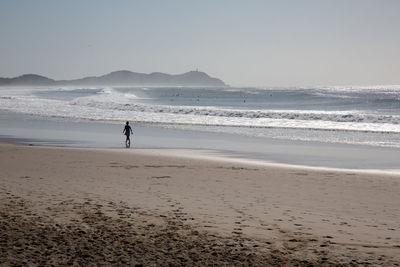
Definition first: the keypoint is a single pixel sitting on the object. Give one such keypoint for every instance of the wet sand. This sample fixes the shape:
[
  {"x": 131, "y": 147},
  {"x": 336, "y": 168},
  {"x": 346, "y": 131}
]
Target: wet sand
[{"x": 73, "y": 206}]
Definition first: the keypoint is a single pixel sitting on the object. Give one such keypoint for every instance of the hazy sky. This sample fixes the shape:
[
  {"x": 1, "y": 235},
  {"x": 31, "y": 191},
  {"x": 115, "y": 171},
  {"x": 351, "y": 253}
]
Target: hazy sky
[{"x": 263, "y": 43}]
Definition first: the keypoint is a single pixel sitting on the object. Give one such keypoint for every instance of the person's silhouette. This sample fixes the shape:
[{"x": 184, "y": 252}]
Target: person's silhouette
[{"x": 127, "y": 131}]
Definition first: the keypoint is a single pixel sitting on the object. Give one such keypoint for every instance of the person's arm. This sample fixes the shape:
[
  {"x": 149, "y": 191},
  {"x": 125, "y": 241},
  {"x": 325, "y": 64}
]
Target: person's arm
[{"x": 131, "y": 130}]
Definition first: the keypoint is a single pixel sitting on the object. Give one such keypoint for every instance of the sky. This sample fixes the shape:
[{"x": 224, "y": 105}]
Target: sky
[{"x": 244, "y": 43}]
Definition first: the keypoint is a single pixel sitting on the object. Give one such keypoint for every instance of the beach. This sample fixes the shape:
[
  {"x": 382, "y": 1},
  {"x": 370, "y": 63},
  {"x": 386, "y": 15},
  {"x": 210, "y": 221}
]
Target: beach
[
  {"x": 262, "y": 134},
  {"x": 152, "y": 207}
]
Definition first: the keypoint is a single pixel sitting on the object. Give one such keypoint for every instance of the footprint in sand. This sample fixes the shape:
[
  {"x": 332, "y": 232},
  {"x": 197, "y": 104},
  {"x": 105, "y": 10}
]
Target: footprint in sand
[
  {"x": 237, "y": 231},
  {"x": 165, "y": 166},
  {"x": 300, "y": 173}
]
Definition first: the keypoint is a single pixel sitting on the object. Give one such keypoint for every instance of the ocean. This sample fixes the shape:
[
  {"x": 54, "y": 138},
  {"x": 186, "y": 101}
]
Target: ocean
[{"x": 338, "y": 115}]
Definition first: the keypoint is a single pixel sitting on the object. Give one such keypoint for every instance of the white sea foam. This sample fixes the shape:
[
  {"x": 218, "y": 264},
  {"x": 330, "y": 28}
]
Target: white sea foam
[
  {"x": 118, "y": 109},
  {"x": 111, "y": 104},
  {"x": 351, "y": 116}
]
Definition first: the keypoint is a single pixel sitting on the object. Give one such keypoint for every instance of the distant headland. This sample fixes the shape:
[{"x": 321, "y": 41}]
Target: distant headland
[{"x": 120, "y": 78}]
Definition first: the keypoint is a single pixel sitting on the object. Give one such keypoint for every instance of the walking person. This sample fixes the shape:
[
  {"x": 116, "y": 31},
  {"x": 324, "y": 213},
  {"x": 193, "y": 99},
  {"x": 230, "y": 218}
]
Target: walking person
[{"x": 127, "y": 131}]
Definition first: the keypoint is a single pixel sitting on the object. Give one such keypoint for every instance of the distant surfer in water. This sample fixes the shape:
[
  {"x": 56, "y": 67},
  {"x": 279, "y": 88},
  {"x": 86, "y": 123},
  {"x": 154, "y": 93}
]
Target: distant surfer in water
[{"x": 127, "y": 131}]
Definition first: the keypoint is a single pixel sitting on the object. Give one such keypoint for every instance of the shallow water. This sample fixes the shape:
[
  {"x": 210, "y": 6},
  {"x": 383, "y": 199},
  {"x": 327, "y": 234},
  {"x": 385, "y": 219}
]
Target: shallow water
[{"x": 33, "y": 130}]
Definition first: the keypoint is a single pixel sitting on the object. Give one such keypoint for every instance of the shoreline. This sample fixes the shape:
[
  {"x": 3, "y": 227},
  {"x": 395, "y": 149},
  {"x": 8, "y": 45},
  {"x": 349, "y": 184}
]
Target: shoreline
[
  {"x": 26, "y": 129},
  {"x": 298, "y": 216}
]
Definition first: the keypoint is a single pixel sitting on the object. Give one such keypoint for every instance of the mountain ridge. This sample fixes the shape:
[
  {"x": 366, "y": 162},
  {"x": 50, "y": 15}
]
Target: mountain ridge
[{"x": 120, "y": 78}]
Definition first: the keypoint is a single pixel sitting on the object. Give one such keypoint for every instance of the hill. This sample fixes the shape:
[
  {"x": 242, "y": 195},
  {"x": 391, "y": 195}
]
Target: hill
[
  {"x": 120, "y": 78},
  {"x": 27, "y": 79}
]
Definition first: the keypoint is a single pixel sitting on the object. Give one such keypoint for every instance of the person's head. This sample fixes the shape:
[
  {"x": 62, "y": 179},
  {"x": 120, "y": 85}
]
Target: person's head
[{"x": 127, "y": 123}]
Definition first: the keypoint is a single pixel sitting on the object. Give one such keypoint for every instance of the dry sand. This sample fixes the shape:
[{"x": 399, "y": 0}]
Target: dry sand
[{"x": 69, "y": 206}]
